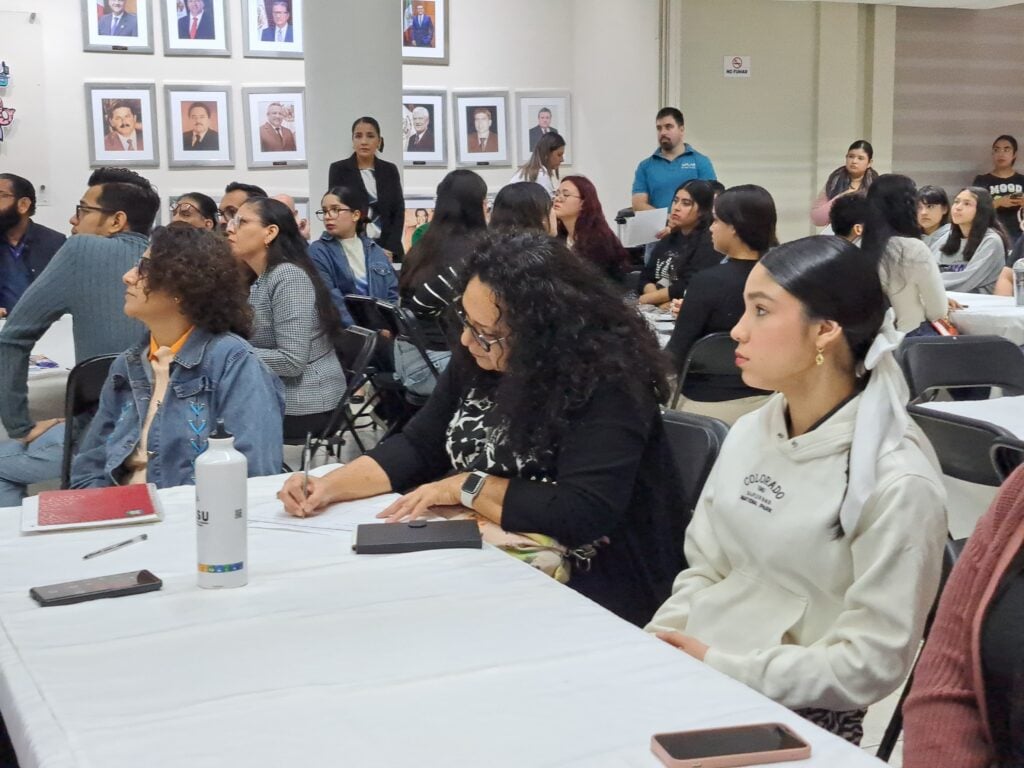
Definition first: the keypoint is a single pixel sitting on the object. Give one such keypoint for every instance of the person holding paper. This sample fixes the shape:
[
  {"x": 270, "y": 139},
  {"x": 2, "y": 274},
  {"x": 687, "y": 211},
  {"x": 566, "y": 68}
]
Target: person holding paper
[
  {"x": 582, "y": 224},
  {"x": 546, "y": 421}
]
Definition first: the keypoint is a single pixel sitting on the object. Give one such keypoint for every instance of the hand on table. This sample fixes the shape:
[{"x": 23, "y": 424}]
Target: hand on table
[
  {"x": 298, "y": 505},
  {"x": 39, "y": 429},
  {"x": 954, "y": 304},
  {"x": 419, "y": 503},
  {"x": 690, "y": 645}
]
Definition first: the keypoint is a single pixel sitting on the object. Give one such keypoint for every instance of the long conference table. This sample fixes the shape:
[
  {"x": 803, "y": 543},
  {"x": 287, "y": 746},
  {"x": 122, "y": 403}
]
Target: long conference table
[{"x": 326, "y": 658}]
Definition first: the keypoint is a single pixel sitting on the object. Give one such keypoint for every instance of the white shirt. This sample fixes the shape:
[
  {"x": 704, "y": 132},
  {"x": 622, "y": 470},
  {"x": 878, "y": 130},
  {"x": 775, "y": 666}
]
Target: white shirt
[{"x": 544, "y": 178}]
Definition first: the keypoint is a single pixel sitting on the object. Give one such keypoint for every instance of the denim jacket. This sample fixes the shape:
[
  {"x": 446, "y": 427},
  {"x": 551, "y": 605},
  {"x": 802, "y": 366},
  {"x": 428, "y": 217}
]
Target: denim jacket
[
  {"x": 213, "y": 376},
  {"x": 332, "y": 264}
]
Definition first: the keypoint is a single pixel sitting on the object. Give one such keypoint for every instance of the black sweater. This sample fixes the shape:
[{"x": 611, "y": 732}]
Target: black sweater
[
  {"x": 678, "y": 257},
  {"x": 614, "y": 476}
]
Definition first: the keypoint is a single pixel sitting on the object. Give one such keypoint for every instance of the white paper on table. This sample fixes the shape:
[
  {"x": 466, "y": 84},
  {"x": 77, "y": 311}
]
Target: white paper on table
[
  {"x": 644, "y": 226},
  {"x": 337, "y": 518}
]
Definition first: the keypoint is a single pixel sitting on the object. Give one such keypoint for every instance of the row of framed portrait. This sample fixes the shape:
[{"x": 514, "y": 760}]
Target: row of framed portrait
[
  {"x": 481, "y": 126},
  {"x": 271, "y": 28},
  {"x": 123, "y": 126}
]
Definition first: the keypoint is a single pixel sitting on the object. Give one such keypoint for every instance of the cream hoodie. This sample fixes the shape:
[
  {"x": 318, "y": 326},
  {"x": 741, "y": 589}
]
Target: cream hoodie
[{"x": 808, "y": 619}]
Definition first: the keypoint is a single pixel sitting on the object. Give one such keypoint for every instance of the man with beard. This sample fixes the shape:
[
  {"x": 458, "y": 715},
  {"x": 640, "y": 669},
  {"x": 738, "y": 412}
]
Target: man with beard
[
  {"x": 109, "y": 232},
  {"x": 675, "y": 162},
  {"x": 25, "y": 247}
]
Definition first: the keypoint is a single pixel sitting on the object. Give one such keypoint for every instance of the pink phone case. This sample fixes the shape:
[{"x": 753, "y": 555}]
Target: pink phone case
[{"x": 732, "y": 761}]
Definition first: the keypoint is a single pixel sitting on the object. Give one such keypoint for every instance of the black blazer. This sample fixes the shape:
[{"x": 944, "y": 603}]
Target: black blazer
[
  {"x": 390, "y": 199},
  {"x": 41, "y": 243}
]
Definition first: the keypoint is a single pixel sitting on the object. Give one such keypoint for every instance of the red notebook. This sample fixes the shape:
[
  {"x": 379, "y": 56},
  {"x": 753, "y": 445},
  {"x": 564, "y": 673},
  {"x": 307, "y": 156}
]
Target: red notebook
[{"x": 91, "y": 507}]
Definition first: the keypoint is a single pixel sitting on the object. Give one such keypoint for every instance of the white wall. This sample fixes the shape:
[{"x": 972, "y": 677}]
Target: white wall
[
  {"x": 62, "y": 160},
  {"x": 559, "y": 44}
]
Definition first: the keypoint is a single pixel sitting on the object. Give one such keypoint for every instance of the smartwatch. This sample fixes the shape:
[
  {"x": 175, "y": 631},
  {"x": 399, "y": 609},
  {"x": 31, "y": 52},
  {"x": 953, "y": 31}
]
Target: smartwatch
[{"x": 471, "y": 488}]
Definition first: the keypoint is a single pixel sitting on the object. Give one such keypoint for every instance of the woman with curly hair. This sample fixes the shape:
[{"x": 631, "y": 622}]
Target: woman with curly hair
[
  {"x": 546, "y": 421},
  {"x": 582, "y": 223},
  {"x": 192, "y": 368},
  {"x": 295, "y": 324}
]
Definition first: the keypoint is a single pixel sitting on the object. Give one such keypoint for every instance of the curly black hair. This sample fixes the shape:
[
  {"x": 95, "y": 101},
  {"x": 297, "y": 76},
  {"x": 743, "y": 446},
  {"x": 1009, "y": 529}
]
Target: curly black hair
[
  {"x": 196, "y": 266},
  {"x": 570, "y": 333}
]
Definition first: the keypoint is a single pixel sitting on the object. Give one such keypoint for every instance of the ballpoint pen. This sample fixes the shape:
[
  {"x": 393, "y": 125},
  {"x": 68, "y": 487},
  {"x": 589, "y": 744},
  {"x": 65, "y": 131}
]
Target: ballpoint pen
[{"x": 113, "y": 547}]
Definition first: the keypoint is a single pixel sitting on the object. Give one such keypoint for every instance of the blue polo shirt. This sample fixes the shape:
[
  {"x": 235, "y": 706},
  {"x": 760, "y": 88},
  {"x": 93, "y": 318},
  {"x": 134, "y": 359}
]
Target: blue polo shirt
[{"x": 659, "y": 178}]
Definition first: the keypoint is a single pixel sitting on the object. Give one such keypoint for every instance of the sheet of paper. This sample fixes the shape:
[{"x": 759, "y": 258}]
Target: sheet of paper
[
  {"x": 337, "y": 518},
  {"x": 644, "y": 226}
]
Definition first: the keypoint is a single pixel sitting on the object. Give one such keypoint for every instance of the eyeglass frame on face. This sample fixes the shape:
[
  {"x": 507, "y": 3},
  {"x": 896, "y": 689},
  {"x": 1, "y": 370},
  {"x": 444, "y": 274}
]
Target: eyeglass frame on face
[
  {"x": 686, "y": 202},
  {"x": 484, "y": 342},
  {"x": 324, "y": 213},
  {"x": 79, "y": 208},
  {"x": 223, "y": 214},
  {"x": 236, "y": 221},
  {"x": 559, "y": 194},
  {"x": 186, "y": 209},
  {"x": 142, "y": 267}
]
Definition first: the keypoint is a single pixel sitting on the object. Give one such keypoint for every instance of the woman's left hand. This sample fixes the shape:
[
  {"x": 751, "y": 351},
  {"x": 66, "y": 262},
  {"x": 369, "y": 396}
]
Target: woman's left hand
[
  {"x": 690, "y": 645},
  {"x": 418, "y": 503}
]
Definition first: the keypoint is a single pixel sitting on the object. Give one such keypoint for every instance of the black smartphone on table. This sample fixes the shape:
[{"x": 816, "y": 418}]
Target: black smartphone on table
[{"x": 117, "y": 585}]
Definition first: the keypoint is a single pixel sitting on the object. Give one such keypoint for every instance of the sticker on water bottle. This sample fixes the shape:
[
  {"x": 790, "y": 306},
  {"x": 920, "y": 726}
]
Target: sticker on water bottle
[{"x": 228, "y": 568}]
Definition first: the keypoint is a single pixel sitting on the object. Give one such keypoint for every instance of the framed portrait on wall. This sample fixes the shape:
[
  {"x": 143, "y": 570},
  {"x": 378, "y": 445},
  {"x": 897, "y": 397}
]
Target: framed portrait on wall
[
  {"x": 419, "y": 211},
  {"x": 272, "y": 28},
  {"x": 540, "y": 112},
  {"x": 199, "y": 126},
  {"x": 275, "y": 127},
  {"x": 117, "y": 26},
  {"x": 481, "y": 128},
  {"x": 424, "y": 129},
  {"x": 122, "y": 124},
  {"x": 195, "y": 28},
  {"x": 425, "y": 31}
]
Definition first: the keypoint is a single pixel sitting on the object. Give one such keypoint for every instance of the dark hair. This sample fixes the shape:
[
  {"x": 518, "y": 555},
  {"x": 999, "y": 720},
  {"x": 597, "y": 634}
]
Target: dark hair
[
  {"x": 126, "y": 191},
  {"x": 22, "y": 187},
  {"x": 593, "y": 239},
  {"x": 421, "y": 209},
  {"x": 847, "y": 212},
  {"x": 750, "y": 210},
  {"x": 833, "y": 282},
  {"x": 289, "y": 247},
  {"x": 546, "y": 144},
  {"x": 355, "y": 199},
  {"x": 839, "y": 179},
  {"x": 458, "y": 212},
  {"x": 522, "y": 206},
  {"x": 203, "y": 104},
  {"x": 985, "y": 218},
  {"x": 113, "y": 105},
  {"x": 703, "y": 195},
  {"x": 251, "y": 190},
  {"x": 930, "y": 195},
  {"x": 571, "y": 335},
  {"x": 717, "y": 187},
  {"x": 1006, "y": 137},
  {"x": 672, "y": 112},
  {"x": 207, "y": 207},
  {"x": 891, "y": 212},
  {"x": 196, "y": 267},
  {"x": 376, "y": 126},
  {"x": 541, "y": 111}
]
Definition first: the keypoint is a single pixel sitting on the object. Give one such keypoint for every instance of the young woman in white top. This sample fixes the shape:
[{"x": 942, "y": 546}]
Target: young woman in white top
[
  {"x": 815, "y": 550},
  {"x": 910, "y": 277},
  {"x": 542, "y": 167},
  {"x": 933, "y": 216},
  {"x": 975, "y": 252}
]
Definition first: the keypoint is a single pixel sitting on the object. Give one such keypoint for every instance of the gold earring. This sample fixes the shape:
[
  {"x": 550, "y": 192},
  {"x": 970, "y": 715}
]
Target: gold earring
[{"x": 819, "y": 359}]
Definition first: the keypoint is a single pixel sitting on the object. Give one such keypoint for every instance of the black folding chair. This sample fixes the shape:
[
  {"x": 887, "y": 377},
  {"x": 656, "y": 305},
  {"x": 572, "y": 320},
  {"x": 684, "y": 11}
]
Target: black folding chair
[
  {"x": 963, "y": 445},
  {"x": 408, "y": 329},
  {"x": 711, "y": 355},
  {"x": 932, "y": 363},
  {"x": 892, "y": 731},
  {"x": 1007, "y": 454},
  {"x": 82, "y": 397},
  {"x": 695, "y": 441},
  {"x": 355, "y": 347}
]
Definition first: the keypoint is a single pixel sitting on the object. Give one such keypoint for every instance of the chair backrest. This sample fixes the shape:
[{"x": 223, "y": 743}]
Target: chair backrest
[
  {"x": 943, "y": 362},
  {"x": 1007, "y": 454},
  {"x": 695, "y": 441},
  {"x": 963, "y": 445},
  {"x": 85, "y": 382},
  {"x": 407, "y": 327},
  {"x": 711, "y": 355},
  {"x": 366, "y": 312},
  {"x": 355, "y": 347}
]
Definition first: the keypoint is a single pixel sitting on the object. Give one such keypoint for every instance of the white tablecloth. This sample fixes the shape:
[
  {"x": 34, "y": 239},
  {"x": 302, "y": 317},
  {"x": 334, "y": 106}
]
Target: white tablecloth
[
  {"x": 995, "y": 315},
  {"x": 1005, "y": 412},
  {"x": 46, "y": 394},
  {"x": 450, "y": 658}
]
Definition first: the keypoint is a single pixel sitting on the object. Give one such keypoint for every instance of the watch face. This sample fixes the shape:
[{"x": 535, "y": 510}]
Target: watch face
[{"x": 473, "y": 483}]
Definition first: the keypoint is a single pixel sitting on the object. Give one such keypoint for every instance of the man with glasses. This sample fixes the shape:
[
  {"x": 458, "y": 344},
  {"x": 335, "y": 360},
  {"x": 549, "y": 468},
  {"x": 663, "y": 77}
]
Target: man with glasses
[
  {"x": 109, "y": 233},
  {"x": 235, "y": 194},
  {"x": 25, "y": 247}
]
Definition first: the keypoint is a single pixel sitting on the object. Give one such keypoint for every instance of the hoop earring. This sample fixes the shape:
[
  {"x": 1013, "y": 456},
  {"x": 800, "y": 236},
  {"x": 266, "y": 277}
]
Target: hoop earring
[{"x": 819, "y": 359}]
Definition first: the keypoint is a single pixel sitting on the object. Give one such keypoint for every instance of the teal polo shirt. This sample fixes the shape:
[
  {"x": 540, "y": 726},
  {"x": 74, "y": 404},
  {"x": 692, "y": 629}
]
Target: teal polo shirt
[{"x": 659, "y": 178}]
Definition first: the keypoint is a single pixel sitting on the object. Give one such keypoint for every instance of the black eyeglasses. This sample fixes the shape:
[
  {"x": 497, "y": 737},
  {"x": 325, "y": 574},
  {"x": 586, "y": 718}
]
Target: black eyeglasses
[
  {"x": 227, "y": 214},
  {"x": 485, "y": 342},
  {"x": 142, "y": 268},
  {"x": 79, "y": 208},
  {"x": 331, "y": 213},
  {"x": 185, "y": 209}
]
